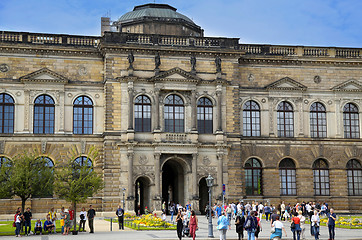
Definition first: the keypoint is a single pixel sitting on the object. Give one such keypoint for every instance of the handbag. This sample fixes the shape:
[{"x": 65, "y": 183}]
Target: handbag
[
  {"x": 14, "y": 225},
  {"x": 248, "y": 224},
  {"x": 292, "y": 226}
]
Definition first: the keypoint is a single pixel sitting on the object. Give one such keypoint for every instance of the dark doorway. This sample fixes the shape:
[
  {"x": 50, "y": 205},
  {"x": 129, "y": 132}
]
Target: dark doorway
[
  {"x": 142, "y": 195},
  {"x": 173, "y": 183},
  {"x": 203, "y": 195}
]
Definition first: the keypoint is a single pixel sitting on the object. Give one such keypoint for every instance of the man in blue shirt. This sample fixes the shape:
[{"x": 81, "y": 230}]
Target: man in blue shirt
[
  {"x": 48, "y": 225},
  {"x": 218, "y": 210},
  {"x": 331, "y": 223}
]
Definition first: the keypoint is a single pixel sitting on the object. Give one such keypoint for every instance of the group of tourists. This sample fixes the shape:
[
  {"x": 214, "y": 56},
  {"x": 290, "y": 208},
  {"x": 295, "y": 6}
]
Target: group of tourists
[
  {"x": 248, "y": 218},
  {"x": 49, "y": 225}
]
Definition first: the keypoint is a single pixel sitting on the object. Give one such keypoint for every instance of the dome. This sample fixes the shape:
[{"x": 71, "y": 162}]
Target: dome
[{"x": 159, "y": 11}]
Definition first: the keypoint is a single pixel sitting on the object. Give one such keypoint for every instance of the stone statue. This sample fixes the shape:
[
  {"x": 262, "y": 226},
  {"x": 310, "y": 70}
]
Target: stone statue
[
  {"x": 218, "y": 64},
  {"x": 130, "y": 60},
  {"x": 157, "y": 61},
  {"x": 193, "y": 63}
]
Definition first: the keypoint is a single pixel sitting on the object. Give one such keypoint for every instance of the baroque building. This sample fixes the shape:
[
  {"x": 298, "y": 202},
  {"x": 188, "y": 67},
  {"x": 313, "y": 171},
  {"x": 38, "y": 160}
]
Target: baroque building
[{"x": 166, "y": 106}]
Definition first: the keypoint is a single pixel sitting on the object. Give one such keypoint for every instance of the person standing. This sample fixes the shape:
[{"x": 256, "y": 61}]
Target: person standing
[
  {"x": 250, "y": 225},
  {"x": 172, "y": 210},
  {"x": 90, "y": 215},
  {"x": 17, "y": 221},
  {"x": 83, "y": 219},
  {"x": 296, "y": 230},
  {"x": 273, "y": 217},
  {"x": 53, "y": 217},
  {"x": 120, "y": 215},
  {"x": 331, "y": 224},
  {"x": 282, "y": 210},
  {"x": 302, "y": 221},
  {"x": 222, "y": 225},
  {"x": 229, "y": 212},
  {"x": 260, "y": 210},
  {"x": 193, "y": 224},
  {"x": 267, "y": 211},
  {"x": 62, "y": 214},
  {"x": 239, "y": 223},
  {"x": 27, "y": 217},
  {"x": 179, "y": 222},
  {"x": 315, "y": 224},
  {"x": 218, "y": 211}
]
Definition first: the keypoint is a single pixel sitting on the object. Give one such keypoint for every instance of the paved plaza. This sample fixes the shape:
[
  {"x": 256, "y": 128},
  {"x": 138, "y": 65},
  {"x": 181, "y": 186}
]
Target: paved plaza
[{"x": 102, "y": 232}]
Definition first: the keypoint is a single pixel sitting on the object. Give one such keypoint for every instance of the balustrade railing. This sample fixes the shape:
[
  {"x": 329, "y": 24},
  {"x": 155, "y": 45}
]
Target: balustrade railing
[
  {"x": 178, "y": 41},
  {"x": 176, "y": 137}
]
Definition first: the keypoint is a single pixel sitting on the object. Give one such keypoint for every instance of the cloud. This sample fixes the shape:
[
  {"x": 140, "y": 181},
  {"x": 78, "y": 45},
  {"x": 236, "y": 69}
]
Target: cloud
[{"x": 308, "y": 22}]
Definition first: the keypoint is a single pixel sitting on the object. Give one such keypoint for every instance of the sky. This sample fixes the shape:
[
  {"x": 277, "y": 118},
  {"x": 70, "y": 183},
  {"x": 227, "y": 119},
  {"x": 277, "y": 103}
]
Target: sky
[{"x": 282, "y": 22}]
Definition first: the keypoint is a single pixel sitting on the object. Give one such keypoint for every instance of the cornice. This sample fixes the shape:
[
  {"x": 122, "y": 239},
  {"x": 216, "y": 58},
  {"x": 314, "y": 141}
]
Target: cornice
[
  {"x": 299, "y": 62},
  {"x": 49, "y": 50}
]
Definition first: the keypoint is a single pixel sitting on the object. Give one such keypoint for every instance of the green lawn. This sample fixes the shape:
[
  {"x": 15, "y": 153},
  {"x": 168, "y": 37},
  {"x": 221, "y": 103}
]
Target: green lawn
[{"x": 7, "y": 229}]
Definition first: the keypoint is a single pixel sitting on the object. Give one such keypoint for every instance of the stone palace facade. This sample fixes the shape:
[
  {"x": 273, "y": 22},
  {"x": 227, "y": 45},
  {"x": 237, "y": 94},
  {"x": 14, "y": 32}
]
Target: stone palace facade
[{"x": 166, "y": 106}]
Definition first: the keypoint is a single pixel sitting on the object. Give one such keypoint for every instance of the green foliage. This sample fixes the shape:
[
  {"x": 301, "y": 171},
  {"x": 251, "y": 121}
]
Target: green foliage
[{"x": 27, "y": 176}]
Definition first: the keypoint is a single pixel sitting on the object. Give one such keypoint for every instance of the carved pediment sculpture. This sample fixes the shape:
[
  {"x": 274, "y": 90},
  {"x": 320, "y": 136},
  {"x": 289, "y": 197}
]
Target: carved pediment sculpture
[
  {"x": 44, "y": 75},
  {"x": 176, "y": 74},
  {"x": 286, "y": 84},
  {"x": 351, "y": 85}
]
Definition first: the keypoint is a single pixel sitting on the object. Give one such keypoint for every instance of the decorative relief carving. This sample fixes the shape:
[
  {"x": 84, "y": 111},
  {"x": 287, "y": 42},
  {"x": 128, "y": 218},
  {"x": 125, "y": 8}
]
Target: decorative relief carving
[
  {"x": 70, "y": 95},
  {"x": 317, "y": 79},
  {"x": 4, "y": 67},
  {"x": 206, "y": 170},
  {"x": 206, "y": 161},
  {"x": 18, "y": 93},
  {"x": 251, "y": 77},
  {"x": 2, "y": 147},
  {"x": 330, "y": 102},
  {"x": 82, "y": 71},
  {"x": 143, "y": 160},
  {"x": 83, "y": 146},
  {"x": 263, "y": 100},
  {"x": 306, "y": 101},
  {"x": 43, "y": 147}
]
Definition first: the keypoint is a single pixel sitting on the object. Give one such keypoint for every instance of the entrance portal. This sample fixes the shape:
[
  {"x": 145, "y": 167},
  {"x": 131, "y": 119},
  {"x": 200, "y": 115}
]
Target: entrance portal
[
  {"x": 142, "y": 195},
  {"x": 173, "y": 183},
  {"x": 203, "y": 195}
]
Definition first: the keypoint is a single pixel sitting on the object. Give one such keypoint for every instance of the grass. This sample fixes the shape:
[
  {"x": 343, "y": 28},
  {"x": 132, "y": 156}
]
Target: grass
[{"x": 7, "y": 229}]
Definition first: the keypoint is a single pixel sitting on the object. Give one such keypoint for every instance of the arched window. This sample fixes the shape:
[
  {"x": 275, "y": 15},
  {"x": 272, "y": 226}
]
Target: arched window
[
  {"x": 44, "y": 115},
  {"x": 83, "y": 115},
  {"x": 251, "y": 119},
  {"x": 354, "y": 177},
  {"x": 204, "y": 115},
  {"x": 288, "y": 185},
  {"x": 142, "y": 114},
  {"x": 285, "y": 120},
  {"x": 321, "y": 177},
  {"x": 6, "y": 113},
  {"x": 50, "y": 164},
  {"x": 253, "y": 179},
  {"x": 83, "y": 161},
  {"x": 174, "y": 114},
  {"x": 350, "y": 121},
  {"x": 318, "y": 121},
  {"x": 4, "y": 161}
]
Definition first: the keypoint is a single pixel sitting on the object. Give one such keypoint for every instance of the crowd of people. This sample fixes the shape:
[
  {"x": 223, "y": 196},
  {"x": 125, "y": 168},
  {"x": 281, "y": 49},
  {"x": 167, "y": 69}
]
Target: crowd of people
[
  {"x": 49, "y": 226},
  {"x": 248, "y": 217}
]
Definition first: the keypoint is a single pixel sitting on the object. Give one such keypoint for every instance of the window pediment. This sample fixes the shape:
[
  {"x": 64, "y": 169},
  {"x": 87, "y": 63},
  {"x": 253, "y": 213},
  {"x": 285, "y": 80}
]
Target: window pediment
[
  {"x": 44, "y": 75},
  {"x": 286, "y": 84},
  {"x": 349, "y": 86},
  {"x": 176, "y": 74}
]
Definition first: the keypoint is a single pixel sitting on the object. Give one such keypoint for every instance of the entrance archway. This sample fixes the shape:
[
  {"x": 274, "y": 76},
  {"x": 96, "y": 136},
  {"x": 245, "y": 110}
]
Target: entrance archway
[
  {"x": 142, "y": 195},
  {"x": 173, "y": 182},
  {"x": 203, "y": 195}
]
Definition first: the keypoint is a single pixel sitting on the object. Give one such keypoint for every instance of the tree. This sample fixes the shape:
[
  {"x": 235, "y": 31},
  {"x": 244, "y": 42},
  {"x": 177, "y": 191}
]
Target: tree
[
  {"x": 26, "y": 176},
  {"x": 76, "y": 181}
]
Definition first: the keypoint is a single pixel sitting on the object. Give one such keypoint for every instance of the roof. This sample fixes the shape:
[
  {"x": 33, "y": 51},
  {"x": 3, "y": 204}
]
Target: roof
[{"x": 152, "y": 10}]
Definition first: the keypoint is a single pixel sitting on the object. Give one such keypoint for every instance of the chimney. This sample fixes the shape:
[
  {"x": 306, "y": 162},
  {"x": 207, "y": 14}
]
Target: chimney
[{"x": 105, "y": 25}]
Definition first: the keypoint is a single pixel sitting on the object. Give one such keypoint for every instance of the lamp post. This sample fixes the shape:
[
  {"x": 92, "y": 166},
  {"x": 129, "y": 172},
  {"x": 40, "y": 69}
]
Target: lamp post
[
  {"x": 124, "y": 193},
  {"x": 209, "y": 182}
]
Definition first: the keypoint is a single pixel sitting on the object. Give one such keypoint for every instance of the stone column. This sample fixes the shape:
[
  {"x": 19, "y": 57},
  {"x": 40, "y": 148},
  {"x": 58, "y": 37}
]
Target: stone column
[
  {"x": 338, "y": 117},
  {"x": 130, "y": 156},
  {"x": 130, "y": 105},
  {"x": 157, "y": 110},
  {"x": 220, "y": 159},
  {"x": 157, "y": 175},
  {"x": 194, "y": 176},
  {"x": 193, "y": 111},
  {"x": 26, "y": 110},
  {"x": 219, "y": 109}
]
